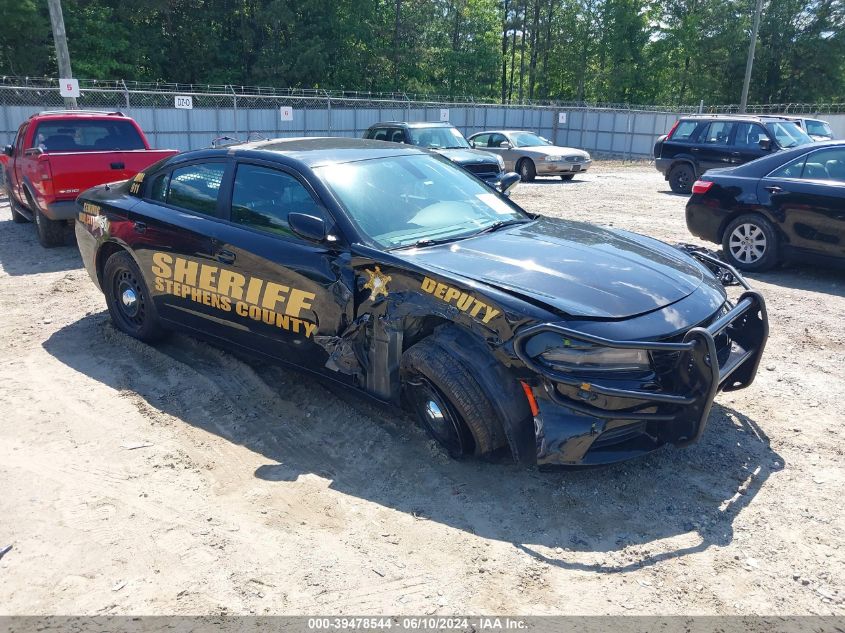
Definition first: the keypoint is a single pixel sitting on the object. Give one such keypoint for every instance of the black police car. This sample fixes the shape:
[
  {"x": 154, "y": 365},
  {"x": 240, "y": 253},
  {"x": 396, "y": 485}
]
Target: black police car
[
  {"x": 447, "y": 140},
  {"x": 701, "y": 142},
  {"x": 388, "y": 269},
  {"x": 790, "y": 205}
]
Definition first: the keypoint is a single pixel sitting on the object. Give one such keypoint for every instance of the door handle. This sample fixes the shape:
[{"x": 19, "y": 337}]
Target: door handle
[
  {"x": 118, "y": 165},
  {"x": 140, "y": 227},
  {"x": 225, "y": 257},
  {"x": 774, "y": 189}
]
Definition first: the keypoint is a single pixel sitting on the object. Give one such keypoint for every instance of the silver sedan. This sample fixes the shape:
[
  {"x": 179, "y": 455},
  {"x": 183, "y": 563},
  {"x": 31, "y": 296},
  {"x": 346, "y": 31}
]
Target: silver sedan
[{"x": 531, "y": 155}]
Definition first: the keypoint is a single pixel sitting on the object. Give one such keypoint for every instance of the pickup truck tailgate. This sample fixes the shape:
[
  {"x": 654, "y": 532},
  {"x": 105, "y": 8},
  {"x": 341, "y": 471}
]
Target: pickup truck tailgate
[{"x": 74, "y": 172}]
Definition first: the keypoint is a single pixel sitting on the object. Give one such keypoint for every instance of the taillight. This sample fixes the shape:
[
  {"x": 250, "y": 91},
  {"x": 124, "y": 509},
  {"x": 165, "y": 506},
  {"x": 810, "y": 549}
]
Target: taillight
[
  {"x": 672, "y": 131},
  {"x": 42, "y": 168},
  {"x": 701, "y": 186}
]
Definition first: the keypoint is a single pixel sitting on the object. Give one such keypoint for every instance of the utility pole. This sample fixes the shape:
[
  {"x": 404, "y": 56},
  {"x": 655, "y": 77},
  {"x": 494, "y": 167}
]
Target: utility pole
[
  {"x": 750, "y": 61},
  {"x": 60, "y": 40}
]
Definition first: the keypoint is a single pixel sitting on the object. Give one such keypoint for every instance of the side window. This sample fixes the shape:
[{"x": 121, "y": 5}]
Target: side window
[
  {"x": 397, "y": 136},
  {"x": 718, "y": 133},
  {"x": 792, "y": 169},
  {"x": 379, "y": 134},
  {"x": 158, "y": 190},
  {"x": 826, "y": 164},
  {"x": 263, "y": 197},
  {"x": 20, "y": 138},
  {"x": 481, "y": 140},
  {"x": 195, "y": 188},
  {"x": 496, "y": 140},
  {"x": 684, "y": 131},
  {"x": 749, "y": 135}
]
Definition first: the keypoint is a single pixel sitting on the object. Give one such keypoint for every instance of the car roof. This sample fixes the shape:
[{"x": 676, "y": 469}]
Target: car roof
[
  {"x": 413, "y": 124},
  {"x": 80, "y": 114},
  {"x": 736, "y": 117},
  {"x": 503, "y": 132},
  {"x": 312, "y": 151}
]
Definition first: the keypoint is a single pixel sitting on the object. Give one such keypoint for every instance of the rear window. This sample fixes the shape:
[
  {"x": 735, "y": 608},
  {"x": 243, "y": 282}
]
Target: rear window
[
  {"x": 87, "y": 136},
  {"x": 818, "y": 128}
]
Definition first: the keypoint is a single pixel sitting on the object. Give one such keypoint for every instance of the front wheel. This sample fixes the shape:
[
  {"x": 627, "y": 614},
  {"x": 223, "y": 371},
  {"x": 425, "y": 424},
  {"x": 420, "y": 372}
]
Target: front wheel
[
  {"x": 440, "y": 389},
  {"x": 129, "y": 302},
  {"x": 750, "y": 243},
  {"x": 527, "y": 171}
]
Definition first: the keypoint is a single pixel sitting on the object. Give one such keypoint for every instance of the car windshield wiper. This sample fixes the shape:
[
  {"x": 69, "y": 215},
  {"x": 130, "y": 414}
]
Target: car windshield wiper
[
  {"x": 501, "y": 224},
  {"x": 430, "y": 242}
]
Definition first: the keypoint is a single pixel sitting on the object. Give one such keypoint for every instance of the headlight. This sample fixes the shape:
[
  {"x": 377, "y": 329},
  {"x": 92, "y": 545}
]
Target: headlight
[
  {"x": 575, "y": 356},
  {"x": 501, "y": 162},
  {"x": 586, "y": 156},
  {"x": 553, "y": 159}
]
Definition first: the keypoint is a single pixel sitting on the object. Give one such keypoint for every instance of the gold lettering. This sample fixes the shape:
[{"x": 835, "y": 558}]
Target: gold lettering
[
  {"x": 241, "y": 309},
  {"x": 159, "y": 284},
  {"x": 428, "y": 285},
  {"x": 253, "y": 291},
  {"x": 231, "y": 283},
  {"x": 477, "y": 308},
  {"x": 491, "y": 312},
  {"x": 309, "y": 328},
  {"x": 440, "y": 290},
  {"x": 161, "y": 264},
  {"x": 185, "y": 271},
  {"x": 207, "y": 275},
  {"x": 298, "y": 300},
  {"x": 273, "y": 293},
  {"x": 465, "y": 302}
]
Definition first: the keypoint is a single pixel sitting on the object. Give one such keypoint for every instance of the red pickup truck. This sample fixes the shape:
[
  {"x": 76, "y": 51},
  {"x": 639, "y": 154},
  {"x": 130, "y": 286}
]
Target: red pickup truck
[{"x": 58, "y": 155}]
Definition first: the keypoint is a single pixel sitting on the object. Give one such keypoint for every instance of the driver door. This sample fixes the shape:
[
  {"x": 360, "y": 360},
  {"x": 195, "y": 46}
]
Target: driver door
[{"x": 286, "y": 291}]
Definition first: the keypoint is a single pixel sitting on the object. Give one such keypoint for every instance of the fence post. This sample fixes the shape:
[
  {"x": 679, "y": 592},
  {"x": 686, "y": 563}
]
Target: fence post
[
  {"x": 329, "y": 107},
  {"x": 235, "y": 108},
  {"x": 555, "y": 116},
  {"x": 126, "y": 94}
]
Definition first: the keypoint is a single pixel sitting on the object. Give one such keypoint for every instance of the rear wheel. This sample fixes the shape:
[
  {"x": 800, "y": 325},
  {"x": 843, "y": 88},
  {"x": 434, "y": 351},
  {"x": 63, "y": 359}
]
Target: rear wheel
[
  {"x": 681, "y": 178},
  {"x": 130, "y": 305},
  {"x": 449, "y": 402},
  {"x": 50, "y": 232},
  {"x": 567, "y": 176},
  {"x": 750, "y": 243},
  {"x": 526, "y": 169}
]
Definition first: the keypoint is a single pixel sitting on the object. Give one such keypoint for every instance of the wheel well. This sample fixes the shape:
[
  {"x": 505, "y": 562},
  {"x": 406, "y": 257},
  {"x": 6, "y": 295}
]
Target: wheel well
[
  {"x": 683, "y": 161},
  {"x": 106, "y": 250},
  {"x": 733, "y": 216},
  {"x": 418, "y": 328}
]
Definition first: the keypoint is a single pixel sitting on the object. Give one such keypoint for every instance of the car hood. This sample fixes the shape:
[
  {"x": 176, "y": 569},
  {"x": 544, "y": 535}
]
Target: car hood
[
  {"x": 571, "y": 267},
  {"x": 468, "y": 156}
]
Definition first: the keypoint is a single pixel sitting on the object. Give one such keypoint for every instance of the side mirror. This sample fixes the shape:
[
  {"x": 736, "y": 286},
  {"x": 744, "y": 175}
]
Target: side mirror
[
  {"x": 765, "y": 144},
  {"x": 505, "y": 145},
  {"x": 8, "y": 150},
  {"x": 508, "y": 182},
  {"x": 307, "y": 226}
]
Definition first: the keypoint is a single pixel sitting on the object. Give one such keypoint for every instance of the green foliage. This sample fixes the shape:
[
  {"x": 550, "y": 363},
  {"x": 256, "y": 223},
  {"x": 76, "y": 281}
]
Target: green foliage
[{"x": 635, "y": 51}]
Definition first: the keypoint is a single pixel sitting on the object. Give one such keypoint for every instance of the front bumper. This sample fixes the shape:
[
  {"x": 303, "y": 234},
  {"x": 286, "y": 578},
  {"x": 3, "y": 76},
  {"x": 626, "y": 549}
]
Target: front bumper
[
  {"x": 585, "y": 421},
  {"x": 663, "y": 165},
  {"x": 562, "y": 168}
]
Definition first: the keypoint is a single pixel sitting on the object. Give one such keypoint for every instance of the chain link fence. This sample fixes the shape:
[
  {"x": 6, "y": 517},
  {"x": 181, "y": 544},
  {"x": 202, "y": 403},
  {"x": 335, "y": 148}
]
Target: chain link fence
[{"x": 249, "y": 112}]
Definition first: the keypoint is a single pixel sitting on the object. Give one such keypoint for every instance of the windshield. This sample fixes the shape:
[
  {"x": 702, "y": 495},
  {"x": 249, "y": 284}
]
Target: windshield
[
  {"x": 818, "y": 128},
  {"x": 403, "y": 200},
  {"x": 437, "y": 137},
  {"x": 527, "y": 139},
  {"x": 788, "y": 134}
]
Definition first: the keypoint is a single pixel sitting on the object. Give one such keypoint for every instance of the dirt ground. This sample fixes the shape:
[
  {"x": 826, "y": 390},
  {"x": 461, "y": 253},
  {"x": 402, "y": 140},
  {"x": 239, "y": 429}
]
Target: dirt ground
[{"x": 256, "y": 490}]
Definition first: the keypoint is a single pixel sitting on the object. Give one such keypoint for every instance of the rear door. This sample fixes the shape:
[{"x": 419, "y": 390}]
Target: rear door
[
  {"x": 287, "y": 292},
  {"x": 171, "y": 232},
  {"x": 17, "y": 163},
  {"x": 807, "y": 196}
]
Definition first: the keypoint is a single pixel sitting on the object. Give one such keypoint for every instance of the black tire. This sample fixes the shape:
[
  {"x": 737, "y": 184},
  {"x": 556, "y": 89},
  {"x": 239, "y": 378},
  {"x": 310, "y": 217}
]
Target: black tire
[
  {"x": 526, "y": 169},
  {"x": 50, "y": 232},
  {"x": 567, "y": 176},
  {"x": 681, "y": 178},
  {"x": 750, "y": 243},
  {"x": 130, "y": 305},
  {"x": 440, "y": 389},
  {"x": 17, "y": 216}
]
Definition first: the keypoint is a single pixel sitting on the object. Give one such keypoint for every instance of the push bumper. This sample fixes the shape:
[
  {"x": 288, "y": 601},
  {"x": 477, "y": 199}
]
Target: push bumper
[
  {"x": 584, "y": 421},
  {"x": 663, "y": 165}
]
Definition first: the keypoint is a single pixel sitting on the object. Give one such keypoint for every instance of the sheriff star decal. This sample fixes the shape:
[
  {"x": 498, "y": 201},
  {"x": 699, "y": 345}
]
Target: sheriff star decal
[{"x": 377, "y": 283}]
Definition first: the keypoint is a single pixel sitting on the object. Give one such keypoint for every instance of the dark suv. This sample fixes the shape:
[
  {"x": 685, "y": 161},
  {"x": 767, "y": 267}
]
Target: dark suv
[
  {"x": 698, "y": 143},
  {"x": 447, "y": 141}
]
